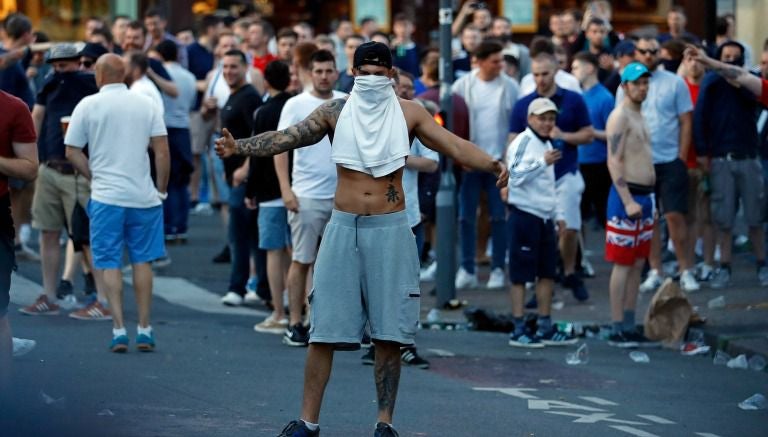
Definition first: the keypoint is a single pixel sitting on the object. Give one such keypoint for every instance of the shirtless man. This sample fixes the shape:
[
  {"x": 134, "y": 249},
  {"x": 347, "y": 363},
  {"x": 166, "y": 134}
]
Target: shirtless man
[
  {"x": 367, "y": 268},
  {"x": 631, "y": 208}
]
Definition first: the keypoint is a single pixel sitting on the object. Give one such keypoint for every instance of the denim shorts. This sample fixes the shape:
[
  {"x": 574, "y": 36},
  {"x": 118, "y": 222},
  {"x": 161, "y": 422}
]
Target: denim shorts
[
  {"x": 274, "y": 233},
  {"x": 114, "y": 227},
  {"x": 367, "y": 271}
]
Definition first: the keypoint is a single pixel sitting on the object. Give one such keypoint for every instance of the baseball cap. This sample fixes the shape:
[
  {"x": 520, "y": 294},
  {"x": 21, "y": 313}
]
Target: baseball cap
[
  {"x": 63, "y": 52},
  {"x": 372, "y": 53},
  {"x": 93, "y": 51},
  {"x": 624, "y": 48},
  {"x": 542, "y": 105},
  {"x": 634, "y": 71}
]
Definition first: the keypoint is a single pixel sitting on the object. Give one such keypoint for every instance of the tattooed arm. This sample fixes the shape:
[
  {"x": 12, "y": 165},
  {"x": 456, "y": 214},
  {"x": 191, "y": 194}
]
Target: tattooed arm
[
  {"x": 305, "y": 133},
  {"x": 616, "y": 130},
  {"x": 735, "y": 75}
]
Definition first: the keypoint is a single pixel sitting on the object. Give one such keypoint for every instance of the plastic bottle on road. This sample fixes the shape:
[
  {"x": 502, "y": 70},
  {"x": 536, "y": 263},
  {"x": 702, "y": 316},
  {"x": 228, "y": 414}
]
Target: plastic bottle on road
[
  {"x": 718, "y": 302},
  {"x": 581, "y": 356},
  {"x": 757, "y": 363},
  {"x": 640, "y": 357},
  {"x": 721, "y": 358},
  {"x": 740, "y": 362},
  {"x": 755, "y": 402}
]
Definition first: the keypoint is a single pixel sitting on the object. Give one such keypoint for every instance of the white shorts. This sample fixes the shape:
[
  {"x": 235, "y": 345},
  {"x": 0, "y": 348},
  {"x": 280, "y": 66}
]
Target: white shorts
[
  {"x": 307, "y": 227},
  {"x": 569, "y": 189}
]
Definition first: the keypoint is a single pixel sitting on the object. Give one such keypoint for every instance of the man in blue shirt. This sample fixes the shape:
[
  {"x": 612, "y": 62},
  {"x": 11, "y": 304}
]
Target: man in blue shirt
[
  {"x": 572, "y": 128},
  {"x": 13, "y": 79},
  {"x": 593, "y": 156},
  {"x": 668, "y": 112},
  {"x": 724, "y": 128}
]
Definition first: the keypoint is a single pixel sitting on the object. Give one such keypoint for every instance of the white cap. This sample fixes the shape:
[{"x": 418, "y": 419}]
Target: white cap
[{"x": 541, "y": 105}]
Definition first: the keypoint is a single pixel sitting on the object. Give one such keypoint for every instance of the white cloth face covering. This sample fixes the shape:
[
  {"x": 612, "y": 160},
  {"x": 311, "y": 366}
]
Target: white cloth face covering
[{"x": 371, "y": 134}]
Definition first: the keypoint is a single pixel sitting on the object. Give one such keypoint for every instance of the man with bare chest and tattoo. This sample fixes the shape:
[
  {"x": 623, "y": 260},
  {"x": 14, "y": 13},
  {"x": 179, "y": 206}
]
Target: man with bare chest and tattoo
[
  {"x": 631, "y": 205},
  {"x": 367, "y": 269}
]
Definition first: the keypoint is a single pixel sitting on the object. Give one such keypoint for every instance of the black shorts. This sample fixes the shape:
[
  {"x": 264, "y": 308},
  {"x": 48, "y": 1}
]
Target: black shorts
[
  {"x": 597, "y": 185},
  {"x": 532, "y": 247},
  {"x": 7, "y": 254},
  {"x": 672, "y": 187}
]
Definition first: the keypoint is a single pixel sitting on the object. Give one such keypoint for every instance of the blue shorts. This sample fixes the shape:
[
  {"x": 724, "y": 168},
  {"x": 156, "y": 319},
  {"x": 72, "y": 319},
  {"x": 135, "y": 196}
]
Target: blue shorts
[
  {"x": 532, "y": 247},
  {"x": 114, "y": 227},
  {"x": 274, "y": 233}
]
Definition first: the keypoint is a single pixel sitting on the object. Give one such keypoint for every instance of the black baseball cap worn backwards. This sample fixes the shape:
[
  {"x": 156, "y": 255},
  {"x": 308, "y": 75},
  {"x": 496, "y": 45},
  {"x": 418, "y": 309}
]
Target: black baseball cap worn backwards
[{"x": 372, "y": 53}]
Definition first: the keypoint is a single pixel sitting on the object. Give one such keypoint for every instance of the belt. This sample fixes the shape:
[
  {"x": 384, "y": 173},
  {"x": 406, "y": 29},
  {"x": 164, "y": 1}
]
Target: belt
[
  {"x": 731, "y": 156},
  {"x": 63, "y": 167}
]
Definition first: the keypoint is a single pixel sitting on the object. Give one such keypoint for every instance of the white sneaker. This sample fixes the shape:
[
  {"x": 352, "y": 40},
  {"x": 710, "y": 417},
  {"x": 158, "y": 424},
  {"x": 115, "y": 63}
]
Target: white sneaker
[
  {"x": 688, "y": 282},
  {"x": 428, "y": 274},
  {"x": 465, "y": 279},
  {"x": 232, "y": 299},
  {"x": 271, "y": 326},
  {"x": 497, "y": 279},
  {"x": 202, "y": 209},
  {"x": 251, "y": 298},
  {"x": 652, "y": 281},
  {"x": 705, "y": 272},
  {"x": 69, "y": 302},
  {"x": 22, "y": 346}
]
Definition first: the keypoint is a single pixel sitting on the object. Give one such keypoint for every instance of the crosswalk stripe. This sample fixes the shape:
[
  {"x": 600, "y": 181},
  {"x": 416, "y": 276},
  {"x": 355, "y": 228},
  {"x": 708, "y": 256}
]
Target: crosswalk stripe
[{"x": 177, "y": 291}]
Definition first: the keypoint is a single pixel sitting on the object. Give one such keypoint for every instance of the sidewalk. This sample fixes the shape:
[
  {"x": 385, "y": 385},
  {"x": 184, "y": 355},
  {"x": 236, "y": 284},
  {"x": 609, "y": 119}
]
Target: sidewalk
[{"x": 740, "y": 327}]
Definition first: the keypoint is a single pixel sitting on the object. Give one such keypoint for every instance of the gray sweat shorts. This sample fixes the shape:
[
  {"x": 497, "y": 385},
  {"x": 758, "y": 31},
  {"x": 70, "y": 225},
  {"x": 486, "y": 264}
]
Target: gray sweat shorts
[{"x": 367, "y": 270}]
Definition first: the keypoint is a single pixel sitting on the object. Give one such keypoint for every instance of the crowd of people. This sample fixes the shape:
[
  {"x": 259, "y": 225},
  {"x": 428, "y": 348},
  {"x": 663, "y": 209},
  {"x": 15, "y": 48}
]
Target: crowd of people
[{"x": 629, "y": 136}]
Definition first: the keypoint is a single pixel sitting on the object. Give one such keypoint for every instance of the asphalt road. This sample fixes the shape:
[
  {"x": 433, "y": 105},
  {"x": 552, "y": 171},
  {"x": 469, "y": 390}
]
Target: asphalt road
[{"x": 212, "y": 375}]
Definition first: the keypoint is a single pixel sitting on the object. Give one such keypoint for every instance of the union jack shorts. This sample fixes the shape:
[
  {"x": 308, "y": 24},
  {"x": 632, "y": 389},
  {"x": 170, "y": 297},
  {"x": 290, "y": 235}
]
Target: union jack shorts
[{"x": 628, "y": 239}]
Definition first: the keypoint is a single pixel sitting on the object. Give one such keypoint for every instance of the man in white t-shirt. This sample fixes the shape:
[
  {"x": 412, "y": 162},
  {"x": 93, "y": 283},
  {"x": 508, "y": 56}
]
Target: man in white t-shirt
[
  {"x": 126, "y": 206},
  {"x": 136, "y": 66},
  {"x": 308, "y": 191},
  {"x": 490, "y": 97}
]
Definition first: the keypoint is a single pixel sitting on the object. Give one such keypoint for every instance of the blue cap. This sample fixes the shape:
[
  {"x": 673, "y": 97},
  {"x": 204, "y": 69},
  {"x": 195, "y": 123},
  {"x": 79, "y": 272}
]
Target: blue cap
[
  {"x": 634, "y": 71},
  {"x": 624, "y": 48}
]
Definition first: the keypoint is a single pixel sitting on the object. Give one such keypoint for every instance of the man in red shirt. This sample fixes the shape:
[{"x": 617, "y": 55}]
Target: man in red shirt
[
  {"x": 259, "y": 33},
  {"x": 18, "y": 159},
  {"x": 699, "y": 217}
]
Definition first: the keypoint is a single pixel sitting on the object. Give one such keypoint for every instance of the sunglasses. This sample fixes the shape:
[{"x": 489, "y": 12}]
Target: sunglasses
[
  {"x": 647, "y": 51},
  {"x": 86, "y": 64}
]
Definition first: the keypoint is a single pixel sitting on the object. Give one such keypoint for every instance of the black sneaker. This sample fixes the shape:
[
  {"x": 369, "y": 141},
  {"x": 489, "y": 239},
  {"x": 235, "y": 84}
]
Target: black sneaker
[
  {"x": 297, "y": 428},
  {"x": 640, "y": 339},
  {"x": 64, "y": 289},
  {"x": 369, "y": 359},
  {"x": 296, "y": 335},
  {"x": 385, "y": 430},
  {"x": 90, "y": 284},
  {"x": 621, "y": 341},
  {"x": 555, "y": 337},
  {"x": 224, "y": 257},
  {"x": 577, "y": 287},
  {"x": 409, "y": 357}
]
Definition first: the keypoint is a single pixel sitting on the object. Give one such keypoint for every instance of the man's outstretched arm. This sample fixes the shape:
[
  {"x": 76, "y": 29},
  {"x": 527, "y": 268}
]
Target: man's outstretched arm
[
  {"x": 305, "y": 133},
  {"x": 734, "y": 74},
  {"x": 441, "y": 140}
]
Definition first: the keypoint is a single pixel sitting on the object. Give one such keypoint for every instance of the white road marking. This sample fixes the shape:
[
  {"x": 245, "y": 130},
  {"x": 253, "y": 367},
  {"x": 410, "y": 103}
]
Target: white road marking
[
  {"x": 442, "y": 352},
  {"x": 514, "y": 392},
  {"x": 23, "y": 291},
  {"x": 633, "y": 431},
  {"x": 599, "y": 401},
  {"x": 706, "y": 434},
  {"x": 177, "y": 291},
  {"x": 547, "y": 404},
  {"x": 181, "y": 292},
  {"x": 656, "y": 419},
  {"x": 595, "y": 418}
]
